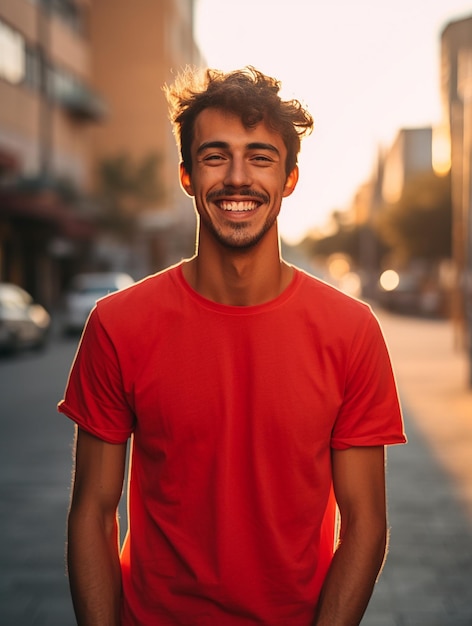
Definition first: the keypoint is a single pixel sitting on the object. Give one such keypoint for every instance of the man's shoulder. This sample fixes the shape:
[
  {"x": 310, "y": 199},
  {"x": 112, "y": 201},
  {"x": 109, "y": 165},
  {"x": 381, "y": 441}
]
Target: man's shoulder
[
  {"x": 328, "y": 297},
  {"x": 333, "y": 314},
  {"x": 146, "y": 294}
]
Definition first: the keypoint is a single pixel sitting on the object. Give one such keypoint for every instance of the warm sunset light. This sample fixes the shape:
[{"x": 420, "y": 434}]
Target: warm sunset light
[
  {"x": 441, "y": 151},
  {"x": 338, "y": 266},
  {"x": 365, "y": 70}
]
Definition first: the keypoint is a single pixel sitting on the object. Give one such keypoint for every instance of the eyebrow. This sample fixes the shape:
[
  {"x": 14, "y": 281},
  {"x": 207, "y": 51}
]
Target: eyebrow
[{"x": 224, "y": 145}]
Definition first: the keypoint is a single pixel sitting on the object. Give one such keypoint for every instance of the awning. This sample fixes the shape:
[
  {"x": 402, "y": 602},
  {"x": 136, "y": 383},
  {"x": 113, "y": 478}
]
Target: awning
[
  {"x": 47, "y": 207},
  {"x": 8, "y": 161}
]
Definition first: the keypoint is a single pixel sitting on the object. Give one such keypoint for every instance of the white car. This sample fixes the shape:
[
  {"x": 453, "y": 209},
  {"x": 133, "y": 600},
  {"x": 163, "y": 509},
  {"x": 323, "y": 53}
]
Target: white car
[
  {"x": 23, "y": 322},
  {"x": 85, "y": 290}
]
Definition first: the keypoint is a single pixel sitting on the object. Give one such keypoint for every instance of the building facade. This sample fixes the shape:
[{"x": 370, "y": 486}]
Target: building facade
[
  {"x": 409, "y": 155},
  {"x": 456, "y": 96},
  {"x": 81, "y": 91},
  {"x": 138, "y": 47},
  {"x": 46, "y": 111}
]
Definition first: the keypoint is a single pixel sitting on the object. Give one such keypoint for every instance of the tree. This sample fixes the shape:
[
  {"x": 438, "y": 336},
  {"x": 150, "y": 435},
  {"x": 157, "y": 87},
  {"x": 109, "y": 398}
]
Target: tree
[
  {"x": 419, "y": 225},
  {"x": 349, "y": 239},
  {"x": 126, "y": 188}
]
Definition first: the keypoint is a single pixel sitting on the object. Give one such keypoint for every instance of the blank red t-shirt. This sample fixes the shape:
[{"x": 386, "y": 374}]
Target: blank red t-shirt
[{"x": 233, "y": 412}]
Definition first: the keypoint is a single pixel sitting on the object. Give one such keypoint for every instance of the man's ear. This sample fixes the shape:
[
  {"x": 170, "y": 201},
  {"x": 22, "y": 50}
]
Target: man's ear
[
  {"x": 185, "y": 180},
  {"x": 291, "y": 182}
]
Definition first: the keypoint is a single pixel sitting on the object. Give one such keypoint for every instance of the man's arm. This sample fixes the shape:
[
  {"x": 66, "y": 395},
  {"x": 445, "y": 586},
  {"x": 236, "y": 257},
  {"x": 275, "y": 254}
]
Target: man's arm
[
  {"x": 93, "y": 537},
  {"x": 359, "y": 484}
]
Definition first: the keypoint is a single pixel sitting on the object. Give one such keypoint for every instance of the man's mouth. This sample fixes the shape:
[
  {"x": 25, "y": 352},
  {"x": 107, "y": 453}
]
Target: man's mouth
[
  {"x": 240, "y": 201},
  {"x": 238, "y": 206}
]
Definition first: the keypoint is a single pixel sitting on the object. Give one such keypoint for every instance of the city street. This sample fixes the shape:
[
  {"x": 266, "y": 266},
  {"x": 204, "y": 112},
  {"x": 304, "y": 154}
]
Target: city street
[
  {"x": 428, "y": 576},
  {"x": 35, "y": 462}
]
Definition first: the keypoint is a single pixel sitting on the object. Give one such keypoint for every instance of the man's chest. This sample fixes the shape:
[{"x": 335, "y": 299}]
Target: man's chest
[{"x": 273, "y": 382}]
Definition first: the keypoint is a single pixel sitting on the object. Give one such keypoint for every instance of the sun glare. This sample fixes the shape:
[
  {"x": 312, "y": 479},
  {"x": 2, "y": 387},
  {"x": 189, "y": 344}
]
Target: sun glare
[{"x": 441, "y": 151}]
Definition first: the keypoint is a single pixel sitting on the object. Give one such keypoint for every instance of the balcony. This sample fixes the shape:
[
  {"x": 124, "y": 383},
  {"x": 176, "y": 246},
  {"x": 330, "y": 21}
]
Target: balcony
[{"x": 80, "y": 101}]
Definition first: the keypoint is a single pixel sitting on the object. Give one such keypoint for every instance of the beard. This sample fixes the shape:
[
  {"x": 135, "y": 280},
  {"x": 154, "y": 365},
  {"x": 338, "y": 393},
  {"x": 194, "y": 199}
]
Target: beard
[{"x": 237, "y": 236}]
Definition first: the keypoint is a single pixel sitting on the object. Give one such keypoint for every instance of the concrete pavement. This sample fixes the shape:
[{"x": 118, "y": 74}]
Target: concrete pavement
[{"x": 427, "y": 580}]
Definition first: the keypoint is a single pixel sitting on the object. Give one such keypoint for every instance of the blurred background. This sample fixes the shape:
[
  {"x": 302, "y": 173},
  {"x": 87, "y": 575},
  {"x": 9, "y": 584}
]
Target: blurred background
[{"x": 90, "y": 201}]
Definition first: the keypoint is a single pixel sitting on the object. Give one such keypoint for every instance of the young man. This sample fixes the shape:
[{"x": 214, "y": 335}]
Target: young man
[{"x": 257, "y": 398}]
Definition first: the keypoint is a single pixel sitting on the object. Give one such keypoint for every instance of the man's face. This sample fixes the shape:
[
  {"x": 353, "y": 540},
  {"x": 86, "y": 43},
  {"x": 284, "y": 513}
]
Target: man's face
[{"x": 238, "y": 178}]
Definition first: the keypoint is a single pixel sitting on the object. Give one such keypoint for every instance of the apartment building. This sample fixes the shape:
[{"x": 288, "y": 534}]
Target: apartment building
[
  {"x": 46, "y": 111},
  {"x": 81, "y": 86},
  {"x": 137, "y": 47}
]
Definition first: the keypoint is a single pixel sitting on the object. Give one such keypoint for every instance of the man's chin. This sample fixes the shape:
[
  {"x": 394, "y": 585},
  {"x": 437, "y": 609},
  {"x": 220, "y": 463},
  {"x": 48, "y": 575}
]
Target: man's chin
[
  {"x": 239, "y": 239},
  {"x": 238, "y": 236}
]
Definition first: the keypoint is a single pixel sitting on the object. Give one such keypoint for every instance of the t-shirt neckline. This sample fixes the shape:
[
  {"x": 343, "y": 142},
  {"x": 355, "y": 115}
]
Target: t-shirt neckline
[{"x": 229, "y": 309}]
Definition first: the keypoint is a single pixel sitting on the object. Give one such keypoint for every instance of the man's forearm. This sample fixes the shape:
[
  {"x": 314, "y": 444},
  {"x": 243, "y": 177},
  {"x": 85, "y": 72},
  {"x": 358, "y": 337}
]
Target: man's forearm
[
  {"x": 94, "y": 571},
  {"x": 351, "y": 579}
]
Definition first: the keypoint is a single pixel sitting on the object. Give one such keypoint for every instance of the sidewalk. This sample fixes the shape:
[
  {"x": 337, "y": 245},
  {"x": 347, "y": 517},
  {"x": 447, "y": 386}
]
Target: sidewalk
[
  {"x": 432, "y": 377},
  {"x": 428, "y": 575}
]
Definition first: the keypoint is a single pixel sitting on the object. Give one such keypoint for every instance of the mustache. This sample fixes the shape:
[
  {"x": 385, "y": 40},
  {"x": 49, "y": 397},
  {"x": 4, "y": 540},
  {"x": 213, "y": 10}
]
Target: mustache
[{"x": 231, "y": 191}]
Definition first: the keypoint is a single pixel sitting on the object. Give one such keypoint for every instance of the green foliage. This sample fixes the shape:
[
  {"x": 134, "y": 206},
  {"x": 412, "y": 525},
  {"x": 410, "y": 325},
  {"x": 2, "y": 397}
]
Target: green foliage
[
  {"x": 419, "y": 225},
  {"x": 350, "y": 239},
  {"x": 126, "y": 188}
]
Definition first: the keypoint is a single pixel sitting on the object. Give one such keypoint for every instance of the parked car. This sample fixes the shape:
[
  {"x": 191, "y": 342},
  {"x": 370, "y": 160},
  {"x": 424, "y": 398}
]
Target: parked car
[
  {"x": 85, "y": 290},
  {"x": 23, "y": 322},
  {"x": 410, "y": 294}
]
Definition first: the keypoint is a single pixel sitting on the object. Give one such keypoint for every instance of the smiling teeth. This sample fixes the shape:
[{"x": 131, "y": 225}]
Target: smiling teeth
[{"x": 238, "y": 206}]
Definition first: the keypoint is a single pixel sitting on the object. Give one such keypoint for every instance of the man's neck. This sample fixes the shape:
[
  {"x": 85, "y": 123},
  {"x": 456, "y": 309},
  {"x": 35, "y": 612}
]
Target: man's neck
[{"x": 238, "y": 278}]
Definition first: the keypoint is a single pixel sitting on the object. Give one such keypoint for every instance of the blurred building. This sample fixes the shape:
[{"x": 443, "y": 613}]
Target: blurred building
[
  {"x": 409, "y": 155},
  {"x": 456, "y": 92},
  {"x": 137, "y": 47},
  {"x": 46, "y": 111},
  {"x": 81, "y": 90},
  {"x": 368, "y": 198}
]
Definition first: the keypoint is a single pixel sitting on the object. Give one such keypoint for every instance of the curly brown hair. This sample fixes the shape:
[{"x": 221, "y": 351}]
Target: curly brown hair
[{"x": 248, "y": 93}]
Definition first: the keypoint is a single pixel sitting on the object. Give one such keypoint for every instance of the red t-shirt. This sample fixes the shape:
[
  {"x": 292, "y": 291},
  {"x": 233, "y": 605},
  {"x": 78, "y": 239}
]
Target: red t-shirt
[{"x": 233, "y": 412}]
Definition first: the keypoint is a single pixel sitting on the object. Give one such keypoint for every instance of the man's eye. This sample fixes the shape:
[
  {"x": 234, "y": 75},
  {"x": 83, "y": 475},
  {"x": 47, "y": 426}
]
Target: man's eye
[
  {"x": 213, "y": 157},
  {"x": 262, "y": 158}
]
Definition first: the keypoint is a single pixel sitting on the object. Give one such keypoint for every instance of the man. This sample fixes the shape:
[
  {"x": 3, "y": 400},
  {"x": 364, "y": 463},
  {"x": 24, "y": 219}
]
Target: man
[{"x": 257, "y": 398}]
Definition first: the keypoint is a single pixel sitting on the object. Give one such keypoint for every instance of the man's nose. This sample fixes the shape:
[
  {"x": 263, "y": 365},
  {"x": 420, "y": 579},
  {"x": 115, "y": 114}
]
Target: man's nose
[{"x": 238, "y": 173}]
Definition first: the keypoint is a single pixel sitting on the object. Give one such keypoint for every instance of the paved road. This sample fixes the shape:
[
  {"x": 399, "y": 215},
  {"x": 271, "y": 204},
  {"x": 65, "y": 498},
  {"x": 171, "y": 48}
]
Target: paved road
[
  {"x": 428, "y": 577},
  {"x": 35, "y": 462}
]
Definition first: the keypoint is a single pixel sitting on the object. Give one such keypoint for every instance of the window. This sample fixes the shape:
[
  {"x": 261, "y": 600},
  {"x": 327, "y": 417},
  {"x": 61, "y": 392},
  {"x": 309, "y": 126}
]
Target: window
[
  {"x": 67, "y": 10},
  {"x": 12, "y": 55},
  {"x": 70, "y": 92},
  {"x": 69, "y": 13}
]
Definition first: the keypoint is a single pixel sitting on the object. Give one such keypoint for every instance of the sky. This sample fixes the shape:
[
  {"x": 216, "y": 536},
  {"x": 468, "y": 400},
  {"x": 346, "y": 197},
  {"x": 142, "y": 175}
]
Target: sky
[{"x": 364, "y": 70}]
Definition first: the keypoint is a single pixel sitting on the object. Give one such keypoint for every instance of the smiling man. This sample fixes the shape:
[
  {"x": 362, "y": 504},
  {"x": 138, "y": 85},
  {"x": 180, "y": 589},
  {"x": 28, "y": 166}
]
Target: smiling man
[
  {"x": 238, "y": 180},
  {"x": 257, "y": 398}
]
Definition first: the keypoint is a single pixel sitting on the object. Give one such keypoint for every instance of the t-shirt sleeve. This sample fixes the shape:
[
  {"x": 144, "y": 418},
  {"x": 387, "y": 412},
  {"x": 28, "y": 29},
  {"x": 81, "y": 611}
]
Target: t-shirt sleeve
[
  {"x": 370, "y": 414},
  {"x": 95, "y": 398}
]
